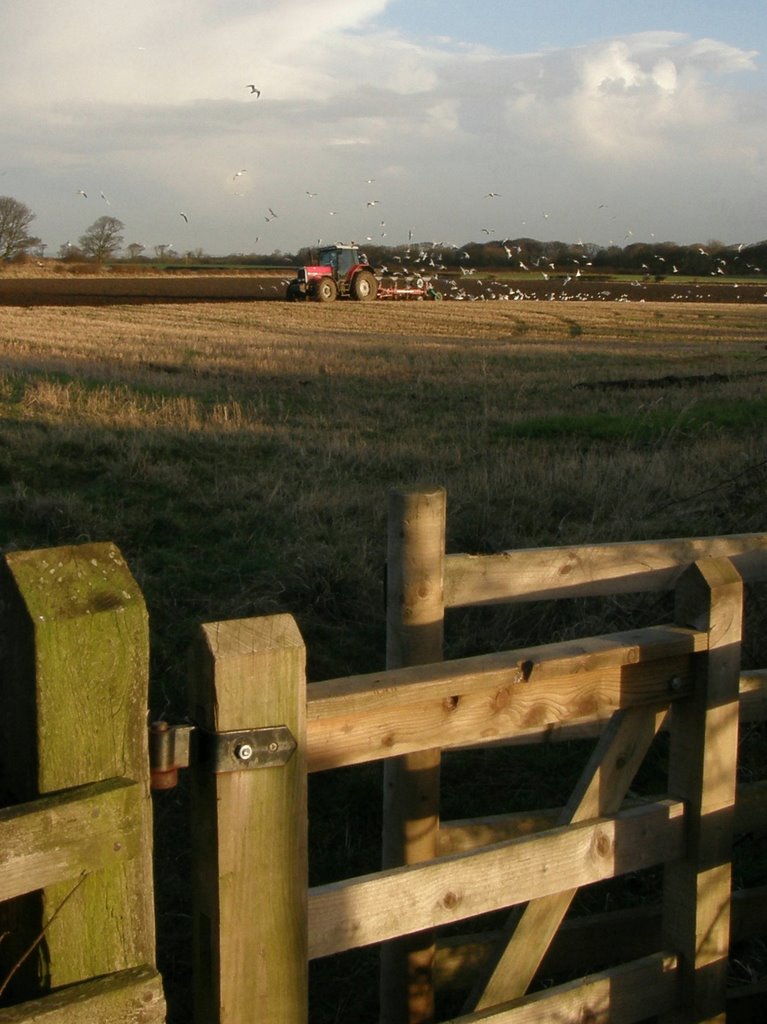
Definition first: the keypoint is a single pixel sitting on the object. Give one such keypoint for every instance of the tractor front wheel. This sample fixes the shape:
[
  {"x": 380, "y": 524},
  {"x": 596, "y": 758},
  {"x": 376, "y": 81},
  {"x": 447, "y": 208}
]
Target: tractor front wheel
[
  {"x": 325, "y": 290},
  {"x": 364, "y": 286}
]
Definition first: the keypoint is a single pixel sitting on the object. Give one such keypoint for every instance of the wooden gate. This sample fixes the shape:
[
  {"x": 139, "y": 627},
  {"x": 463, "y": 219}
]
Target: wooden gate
[{"x": 629, "y": 679}]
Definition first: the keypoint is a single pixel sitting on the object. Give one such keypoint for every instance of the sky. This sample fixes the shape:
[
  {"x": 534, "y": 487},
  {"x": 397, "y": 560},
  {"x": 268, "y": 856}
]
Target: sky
[{"x": 380, "y": 121}]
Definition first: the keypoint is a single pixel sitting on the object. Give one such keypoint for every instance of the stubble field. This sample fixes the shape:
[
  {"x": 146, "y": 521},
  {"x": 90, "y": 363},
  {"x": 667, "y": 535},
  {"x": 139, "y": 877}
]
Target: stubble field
[{"x": 240, "y": 455}]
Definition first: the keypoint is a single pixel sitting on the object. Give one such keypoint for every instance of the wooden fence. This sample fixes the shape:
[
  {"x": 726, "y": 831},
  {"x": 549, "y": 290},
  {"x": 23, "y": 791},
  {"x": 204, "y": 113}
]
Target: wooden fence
[{"x": 75, "y": 680}]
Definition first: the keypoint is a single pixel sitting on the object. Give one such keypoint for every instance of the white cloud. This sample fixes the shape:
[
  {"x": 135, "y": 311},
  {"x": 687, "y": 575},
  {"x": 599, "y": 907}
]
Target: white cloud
[
  {"x": 149, "y": 102},
  {"x": 619, "y": 98}
]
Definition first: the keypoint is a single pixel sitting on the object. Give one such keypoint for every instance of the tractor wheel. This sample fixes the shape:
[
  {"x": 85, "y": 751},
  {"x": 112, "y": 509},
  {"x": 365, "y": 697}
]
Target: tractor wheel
[
  {"x": 294, "y": 292},
  {"x": 325, "y": 290},
  {"x": 364, "y": 286}
]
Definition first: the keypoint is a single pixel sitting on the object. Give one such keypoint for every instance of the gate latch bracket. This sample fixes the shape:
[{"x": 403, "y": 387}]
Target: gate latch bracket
[
  {"x": 172, "y": 747},
  {"x": 243, "y": 749}
]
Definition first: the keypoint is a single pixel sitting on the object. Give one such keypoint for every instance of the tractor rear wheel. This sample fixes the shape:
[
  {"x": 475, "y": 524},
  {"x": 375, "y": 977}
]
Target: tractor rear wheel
[
  {"x": 325, "y": 290},
  {"x": 364, "y": 286}
]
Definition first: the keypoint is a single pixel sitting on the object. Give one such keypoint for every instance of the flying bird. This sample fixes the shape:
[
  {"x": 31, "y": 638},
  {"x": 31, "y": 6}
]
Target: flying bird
[
  {"x": 312, "y": 194},
  {"x": 105, "y": 198},
  {"x": 493, "y": 195},
  {"x": 81, "y": 193},
  {"x": 184, "y": 216},
  {"x": 254, "y": 91},
  {"x": 237, "y": 174},
  {"x": 271, "y": 211},
  {"x": 373, "y": 202}
]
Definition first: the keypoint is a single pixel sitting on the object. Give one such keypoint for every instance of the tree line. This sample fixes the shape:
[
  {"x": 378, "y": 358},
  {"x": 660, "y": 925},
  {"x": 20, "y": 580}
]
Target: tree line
[
  {"x": 99, "y": 242},
  {"x": 103, "y": 240}
]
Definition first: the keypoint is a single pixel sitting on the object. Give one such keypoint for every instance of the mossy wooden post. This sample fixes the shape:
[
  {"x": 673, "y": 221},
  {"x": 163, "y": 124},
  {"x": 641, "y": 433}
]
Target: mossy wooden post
[
  {"x": 73, "y": 696},
  {"x": 702, "y": 771},
  {"x": 250, "y": 872},
  {"x": 414, "y": 636}
]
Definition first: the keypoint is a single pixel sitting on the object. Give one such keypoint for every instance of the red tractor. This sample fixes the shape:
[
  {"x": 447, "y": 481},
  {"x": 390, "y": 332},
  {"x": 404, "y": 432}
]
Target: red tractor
[{"x": 340, "y": 273}]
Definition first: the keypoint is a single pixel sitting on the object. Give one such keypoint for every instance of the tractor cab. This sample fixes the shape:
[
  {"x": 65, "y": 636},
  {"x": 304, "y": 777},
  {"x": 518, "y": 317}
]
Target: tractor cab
[{"x": 340, "y": 257}]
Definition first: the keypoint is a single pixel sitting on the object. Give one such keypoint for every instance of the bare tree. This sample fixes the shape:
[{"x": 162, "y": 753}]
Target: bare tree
[
  {"x": 15, "y": 218},
  {"x": 134, "y": 250},
  {"x": 103, "y": 238}
]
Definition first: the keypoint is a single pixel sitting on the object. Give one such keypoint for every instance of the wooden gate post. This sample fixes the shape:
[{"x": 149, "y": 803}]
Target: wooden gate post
[
  {"x": 414, "y": 635},
  {"x": 249, "y": 869},
  {"x": 73, "y": 690},
  {"x": 702, "y": 771}
]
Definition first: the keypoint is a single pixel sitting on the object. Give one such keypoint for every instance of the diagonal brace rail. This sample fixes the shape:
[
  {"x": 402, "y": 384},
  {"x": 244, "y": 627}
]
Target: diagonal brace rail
[{"x": 600, "y": 791}]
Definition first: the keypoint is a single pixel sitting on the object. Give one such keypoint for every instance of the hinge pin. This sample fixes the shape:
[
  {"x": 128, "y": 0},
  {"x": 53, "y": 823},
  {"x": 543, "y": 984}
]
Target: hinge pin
[{"x": 168, "y": 751}]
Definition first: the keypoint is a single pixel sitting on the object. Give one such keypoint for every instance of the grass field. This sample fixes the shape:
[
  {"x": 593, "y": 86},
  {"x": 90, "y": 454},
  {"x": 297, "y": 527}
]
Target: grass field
[{"x": 240, "y": 456}]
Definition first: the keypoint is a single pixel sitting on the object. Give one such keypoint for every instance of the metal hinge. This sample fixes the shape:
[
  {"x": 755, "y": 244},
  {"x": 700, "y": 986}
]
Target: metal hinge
[{"x": 172, "y": 747}]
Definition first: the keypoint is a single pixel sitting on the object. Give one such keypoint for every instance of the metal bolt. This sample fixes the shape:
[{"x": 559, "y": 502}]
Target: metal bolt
[
  {"x": 675, "y": 684},
  {"x": 273, "y": 747},
  {"x": 244, "y": 751}
]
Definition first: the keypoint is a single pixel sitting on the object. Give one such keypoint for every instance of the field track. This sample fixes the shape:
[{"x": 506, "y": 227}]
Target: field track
[{"x": 90, "y": 291}]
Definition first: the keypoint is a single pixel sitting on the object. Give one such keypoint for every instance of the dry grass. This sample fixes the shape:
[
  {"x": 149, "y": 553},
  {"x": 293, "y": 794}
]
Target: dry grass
[
  {"x": 290, "y": 422},
  {"x": 240, "y": 455}
]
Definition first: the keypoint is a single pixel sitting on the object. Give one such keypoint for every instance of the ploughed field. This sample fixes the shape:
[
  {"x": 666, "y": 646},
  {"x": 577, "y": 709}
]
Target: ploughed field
[{"x": 192, "y": 286}]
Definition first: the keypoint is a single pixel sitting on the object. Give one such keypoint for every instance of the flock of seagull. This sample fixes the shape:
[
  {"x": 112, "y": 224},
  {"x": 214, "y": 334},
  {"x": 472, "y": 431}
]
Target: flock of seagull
[
  {"x": 255, "y": 92},
  {"x": 429, "y": 260}
]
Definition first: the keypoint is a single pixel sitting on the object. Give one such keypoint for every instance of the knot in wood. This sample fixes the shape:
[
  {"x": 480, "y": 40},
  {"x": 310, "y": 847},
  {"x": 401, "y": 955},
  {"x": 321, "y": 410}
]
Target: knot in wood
[
  {"x": 451, "y": 703},
  {"x": 451, "y": 900},
  {"x": 602, "y": 845},
  {"x": 501, "y": 699}
]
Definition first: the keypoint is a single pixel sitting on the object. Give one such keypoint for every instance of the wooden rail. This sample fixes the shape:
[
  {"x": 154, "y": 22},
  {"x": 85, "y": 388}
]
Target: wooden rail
[
  {"x": 400, "y": 901},
  {"x": 514, "y": 694},
  {"x": 545, "y": 574}
]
